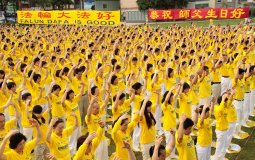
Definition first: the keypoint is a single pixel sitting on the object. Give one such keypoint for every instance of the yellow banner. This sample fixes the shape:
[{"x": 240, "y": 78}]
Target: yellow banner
[{"x": 94, "y": 18}]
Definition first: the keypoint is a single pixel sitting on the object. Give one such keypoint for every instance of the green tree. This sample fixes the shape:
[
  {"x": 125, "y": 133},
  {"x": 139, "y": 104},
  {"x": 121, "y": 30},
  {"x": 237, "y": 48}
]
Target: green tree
[{"x": 161, "y": 4}]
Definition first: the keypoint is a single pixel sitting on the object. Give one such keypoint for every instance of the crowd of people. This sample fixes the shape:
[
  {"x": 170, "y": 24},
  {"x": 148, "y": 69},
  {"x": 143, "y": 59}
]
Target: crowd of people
[{"x": 157, "y": 91}]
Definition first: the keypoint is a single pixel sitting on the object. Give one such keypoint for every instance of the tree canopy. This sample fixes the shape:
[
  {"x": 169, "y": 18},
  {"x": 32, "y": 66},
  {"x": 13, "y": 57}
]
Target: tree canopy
[{"x": 161, "y": 4}]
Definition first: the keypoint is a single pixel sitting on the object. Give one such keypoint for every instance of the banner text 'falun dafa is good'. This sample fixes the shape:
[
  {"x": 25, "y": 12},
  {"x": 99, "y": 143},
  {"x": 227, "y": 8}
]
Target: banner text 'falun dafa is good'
[{"x": 94, "y": 18}]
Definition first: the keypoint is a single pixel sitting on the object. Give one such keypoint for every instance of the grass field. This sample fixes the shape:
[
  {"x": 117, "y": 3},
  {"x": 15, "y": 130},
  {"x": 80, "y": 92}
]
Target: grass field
[{"x": 204, "y": 23}]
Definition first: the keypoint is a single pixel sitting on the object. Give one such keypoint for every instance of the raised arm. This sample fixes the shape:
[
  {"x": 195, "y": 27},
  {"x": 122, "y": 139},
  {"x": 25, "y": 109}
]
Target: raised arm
[
  {"x": 181, "y": 129},
  {"x": 3, "y": 144},
  {"x": 49, "y": 132}
]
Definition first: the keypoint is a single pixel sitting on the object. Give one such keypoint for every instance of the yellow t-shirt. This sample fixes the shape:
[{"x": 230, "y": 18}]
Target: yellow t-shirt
[
  {"x": 124, "y": 108},
  {"x": 220, "y": 114},
  {"x": 137, "y": 103},
  {"x": 72, "y": 106},
  {"x": 80, "y": 154},
  {"x": 57, "y": 109},
  {"x": 13, "y": 155},
  {"x": 205, "y": 88},
  {"x": 204, "y": 137},
  {"x": 119, "y": 137},
  {"x": 231, "y": 112},
  {"x": 185, "y": 104},
  {"x": 169, "y": 118},
  {"x": 3, "y": 100},
  {"x": 148, "y": 135},
  {"x": 11, "y": 124},
  {"x": 44, "y": 128},
  {"x": 186, "y": 148},
  {"x": 252, "y": 82},
  {"x": 59, "y": 145},
  {"x": 239, "y": 87}
]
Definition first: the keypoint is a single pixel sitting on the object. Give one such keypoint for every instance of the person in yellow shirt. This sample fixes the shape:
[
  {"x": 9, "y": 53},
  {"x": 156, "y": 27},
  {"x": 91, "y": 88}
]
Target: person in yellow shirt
[
  {"x": 220, "y": 113},
  {"x": 252, "y": 87},
  {"x": 57, "y": 137},
  {"x": 121, "y": 133},
  {"x": 185, "y": 100},
  {"x": 160, "y": 152},
  {"x": 139, "y": 90},
  {"x": 184, "y": 142},
  {"x": 70, "y": 103},
  {"x": 57, "y": 109},
  {"x": 120, "y": 104},
  {"x": 238, "y": 85},
  {"x": 204, "y": 138},
  {"x": 20, "y": 149},
  {"x": 94, "y": 115},
  {"x": 205, "y": 88},
  {"x": 232, "y": 118},
  {"x": 41, "y": 150},
  {"x": 6, "y": 126},
  {"x": 148, "y": 131},
  {"x": 86, "y": 145},
  {"x": 169, "y": 118}
]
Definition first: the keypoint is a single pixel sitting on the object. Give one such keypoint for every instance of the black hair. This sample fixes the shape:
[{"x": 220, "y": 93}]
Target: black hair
[
  {"x": 58, "y": 73},
  {"x": 36, "y": 59},
  {"x": 77, "y": 71},
  {"x": 38, "y": 110},
  {"x": 161, "y": 148},
  {"x": 134, "y": 59},
  {"x": 121, "y": 123},
  {"x": 113, "y": 79},
  {"x": 36, "y": 77},
  {"x": 68, "y": 94},
  {"x": 29, "y": 73},
  {"x": 251, "y": 69},
  {"x": 93, "y": 90},
  {"x": 25, "y": 96},
  {"x": 185, "y": 86},
  {"x": 188, "y": 123},
  {"x": 201, "y": 109},
  {"x": 2, "y": 72},
  {"x": 113, "y": 61},
  {"x": 149, "y": 66},
  {"x": 150, "y": 120},
  {"x": 241, "y": 71},
  {"x": 10, "y": 85},
  {"x": 164, "y": 97},
  {"x": 22, "y": 67},
  {"x": 219, "y": 99},
  {"x": 205, "y": 68},
  {"x": 58, "y": 122},
  {"x": 137, "y": 86},
  {"x": 169, "y": 71},
  {"x": 121, "y": 96},
  {"x": 55, "y": 87},
  {"x": 66, "y": 70},
  {"x": 81, "y": 140},
  {"x": 16, "y": 139}
]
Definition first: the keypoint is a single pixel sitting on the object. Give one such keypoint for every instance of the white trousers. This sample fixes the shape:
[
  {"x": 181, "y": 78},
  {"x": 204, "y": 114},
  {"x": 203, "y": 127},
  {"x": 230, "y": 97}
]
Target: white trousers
[
  {"x": 28, "y": 133},
  {"x": 231, "y": 131},
  {"x": 252, "y": 101},
  {"x": 204, "y": 101},
  {"x": 239, "y": 112},
  {"x": 169, "y": 136},
  {"x": 246, "y": 108},
  {"x": 203, "y": 153},
  {"x": 216, "y": 90},
  {"x": 225, "y": 84},
  {"x": 146, "y": 150},
  {"x": 220, "y": 144},
  {"x": 194, "y": 106},
  {"x": 136, "y": 137},
  {"x": 101, "y": 152},
  {"x": 73, "y": 140},
  {"x": 158, "y": 117}
]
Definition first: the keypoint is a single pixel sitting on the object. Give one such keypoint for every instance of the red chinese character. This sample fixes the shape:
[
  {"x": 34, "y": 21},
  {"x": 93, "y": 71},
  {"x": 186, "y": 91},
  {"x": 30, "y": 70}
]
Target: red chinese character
[
  {"x": 63, "y": 14},
  {"x": 106, "y": 15},
  {"x": 44, "y": 15},
  {"x": 83, "y": 15},
  {"x": 26, "y": 15}
]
